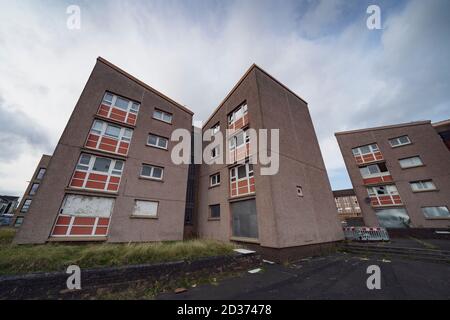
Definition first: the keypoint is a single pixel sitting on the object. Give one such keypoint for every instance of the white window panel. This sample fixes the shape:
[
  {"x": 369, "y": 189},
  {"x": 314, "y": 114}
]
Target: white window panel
[
  {"x": 78, "y": 205},
  {"x": 410, "y": 162},
  {"x": 145, "y": 208}
]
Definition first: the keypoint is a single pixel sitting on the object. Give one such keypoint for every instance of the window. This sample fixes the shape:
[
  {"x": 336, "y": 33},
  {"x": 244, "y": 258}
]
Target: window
[
  {"x": 244, "y": 219},
  {"x": 101, "y": 164},
  {"x": 83, "y": 216},
  {"x": 26, "y": 206},
  {"x": 373, "y": 170},
  {"x": 382, "y": 190},
  {"x": 157, "y": 141},
  {"x": 110, "y": 138},
  {"x": 145, "y": 209},
  {"x": 34, "y": 188},
  {"x": 237, "y": 113},
  {"x": 214, "y": 211},
  {"x": 371, "y": 148},
  {"x": 215, "y": 128},
  {"x": 119, "y": 108},
  {"x": 98, "y": 173},
  {"x": 386, "y": 195},
  {"x": 239, "y": 140},
  {"x": 393, "y": 218},
  {"x": 241, "y": 180},
  {"x": 152, "y": 172},
  {"x": 162, "y": 115},
  {"x": 410, "y": 162},
  {"x": 110, "y": 99},
  {"x": 215, "y": 152},
  {"x": 422, "y": 185},
  {"x": 40, "y": 174},
  {"x": 214, "y": 180},
  {"x": 18, "y": 222},
  {"x": 112, "y": 131},
  {"x": 399, "y": 141},
  {"x": 436, "y": 212}
]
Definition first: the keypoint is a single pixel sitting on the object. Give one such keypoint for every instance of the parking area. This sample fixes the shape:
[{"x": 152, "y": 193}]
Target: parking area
[{"x": 338, "y": 276}]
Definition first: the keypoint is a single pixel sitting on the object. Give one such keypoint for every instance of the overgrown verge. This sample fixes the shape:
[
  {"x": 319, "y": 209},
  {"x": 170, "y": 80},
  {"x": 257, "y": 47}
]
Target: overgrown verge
[{"x": 19, "y": 259}]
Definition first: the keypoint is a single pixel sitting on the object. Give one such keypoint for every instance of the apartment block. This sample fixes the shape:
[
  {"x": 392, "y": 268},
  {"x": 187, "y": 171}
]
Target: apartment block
[
  {"x": 400, "y": 174},
  {"x": 347, "y": 204},
  {"x": 111, "y": 177},
  {"x": 31, "y": 191},
  {"x": 236, "y": 202}
]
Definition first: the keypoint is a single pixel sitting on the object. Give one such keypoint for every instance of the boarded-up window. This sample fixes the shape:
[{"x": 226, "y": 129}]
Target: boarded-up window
[
  {"x": 245, "y": 224},
  {"x": 146, "y": 208},
  {"x": 76, "y": 205},
  {"x": 83, "y": 216},
  {"x": 393, "y": 218}
]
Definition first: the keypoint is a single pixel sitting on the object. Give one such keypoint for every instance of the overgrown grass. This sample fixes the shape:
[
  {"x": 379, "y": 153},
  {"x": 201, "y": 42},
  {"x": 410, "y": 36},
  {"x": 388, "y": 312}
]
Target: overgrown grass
[{"x": 15, "y": 259}]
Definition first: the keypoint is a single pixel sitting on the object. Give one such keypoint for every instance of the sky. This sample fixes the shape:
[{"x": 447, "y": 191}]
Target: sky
[{"x": 195, "y": 51}]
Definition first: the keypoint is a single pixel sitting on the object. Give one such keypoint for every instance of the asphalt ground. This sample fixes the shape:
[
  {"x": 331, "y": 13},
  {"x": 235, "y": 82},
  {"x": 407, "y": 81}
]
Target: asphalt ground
[{"x": 338, "y": 276}]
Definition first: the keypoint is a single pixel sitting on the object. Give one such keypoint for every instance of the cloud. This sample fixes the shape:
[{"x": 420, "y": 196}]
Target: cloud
[
  {"x": 195, "y": 52},
  {"x": 19, "y": 132}
]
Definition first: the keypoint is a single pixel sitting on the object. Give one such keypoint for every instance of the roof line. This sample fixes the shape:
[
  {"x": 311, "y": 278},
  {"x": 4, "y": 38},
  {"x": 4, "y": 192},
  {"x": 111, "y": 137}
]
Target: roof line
[
  {"x": 441, "y": 123},
  {"x": 143, "y": 84},
  {"x": 253, "y": 66},
  {"x": 414, "y": 123}
]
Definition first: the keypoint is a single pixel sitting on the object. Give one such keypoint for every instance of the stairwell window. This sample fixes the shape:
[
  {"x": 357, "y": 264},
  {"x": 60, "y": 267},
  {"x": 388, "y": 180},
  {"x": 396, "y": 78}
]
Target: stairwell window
[
  {"x": 215, "y": 128},
  {"x": 214, "y": 180},
  {"x": 162, "y": 115},
  {"x": 34, "y": 188},
  {"x": 410, "y": 162},
  {"x": 40, "y": 174},
  {"x": 399, "y": 141},
  {"x": 214, "y": 212},
  {"x": 26, "y": 206}
]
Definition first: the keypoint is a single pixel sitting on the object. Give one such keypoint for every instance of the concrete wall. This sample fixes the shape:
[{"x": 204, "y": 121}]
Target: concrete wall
[
  {"x": 284, "y": 219},
  {"x": 427, "y": 144},
  {"x": 312, "y": 218},
  {"x": 170, "y": 193}
]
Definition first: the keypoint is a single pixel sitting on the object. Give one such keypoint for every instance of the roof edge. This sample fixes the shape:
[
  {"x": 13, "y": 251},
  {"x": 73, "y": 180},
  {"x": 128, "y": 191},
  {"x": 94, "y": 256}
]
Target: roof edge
[
  {"x": 143, "y": 84},
  {"x": 253, "y": 66},
  {"x": 414, "y": 123}
]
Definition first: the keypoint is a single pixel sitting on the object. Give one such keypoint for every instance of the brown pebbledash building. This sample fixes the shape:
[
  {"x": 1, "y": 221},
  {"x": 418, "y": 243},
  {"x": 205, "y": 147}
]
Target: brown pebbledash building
[
  {"x": 400, "y": 173},
  {"x": 111, "y": 177}
]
